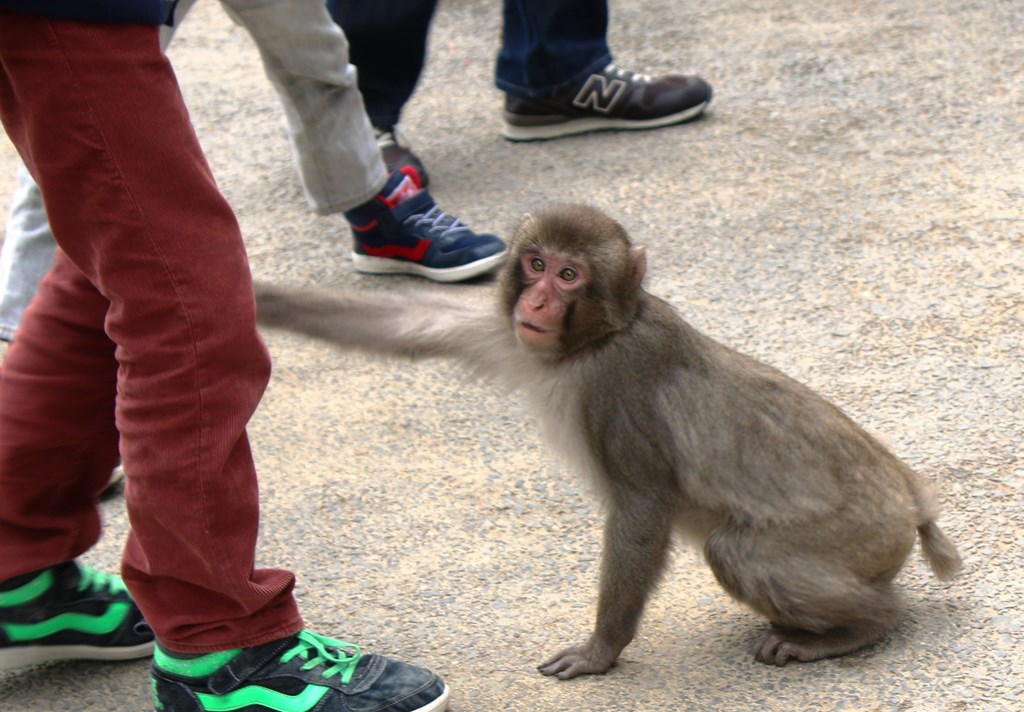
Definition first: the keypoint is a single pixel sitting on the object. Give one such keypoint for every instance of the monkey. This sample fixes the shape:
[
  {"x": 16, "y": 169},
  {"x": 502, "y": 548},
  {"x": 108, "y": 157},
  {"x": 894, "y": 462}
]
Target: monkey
[{"x": 802, "y": 515}]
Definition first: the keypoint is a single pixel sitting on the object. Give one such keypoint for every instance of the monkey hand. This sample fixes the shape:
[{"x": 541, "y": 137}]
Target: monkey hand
[{"x": 591, "y": 658}]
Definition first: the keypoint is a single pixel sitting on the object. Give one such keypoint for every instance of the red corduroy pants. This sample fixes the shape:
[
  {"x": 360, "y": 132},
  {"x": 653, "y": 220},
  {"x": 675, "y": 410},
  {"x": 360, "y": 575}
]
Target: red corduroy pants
[{"x": 142, "y": 336}]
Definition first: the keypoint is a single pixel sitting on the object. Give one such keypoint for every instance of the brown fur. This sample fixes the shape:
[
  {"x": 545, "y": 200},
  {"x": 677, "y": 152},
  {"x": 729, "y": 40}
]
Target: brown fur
[{"x": 801, "y": 514}]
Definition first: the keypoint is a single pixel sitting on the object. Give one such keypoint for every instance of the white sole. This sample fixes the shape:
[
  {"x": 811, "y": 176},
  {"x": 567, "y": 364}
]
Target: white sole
[
  {"x": 21, "y": 655},
  {"x": 573, "y": 127},
  {"x": 438, "y": 705},
  {"x": 385, "y": 265}
]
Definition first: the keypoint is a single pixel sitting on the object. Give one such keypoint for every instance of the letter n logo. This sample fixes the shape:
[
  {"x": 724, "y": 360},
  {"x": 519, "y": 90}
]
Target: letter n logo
[{"x": 600, "y": 93}]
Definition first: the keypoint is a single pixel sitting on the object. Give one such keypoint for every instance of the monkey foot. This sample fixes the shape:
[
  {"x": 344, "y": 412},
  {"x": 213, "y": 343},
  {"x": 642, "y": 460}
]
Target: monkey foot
[
  {"x": 585, "y": 659},
  {"x": 777, "y": 646}
]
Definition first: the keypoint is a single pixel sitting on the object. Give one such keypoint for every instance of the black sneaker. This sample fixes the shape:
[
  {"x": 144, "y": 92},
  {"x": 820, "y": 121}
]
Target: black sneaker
[
  {"x": 67, "y": 612},
  {"x": 398, "y": 155},
  {"x": 402, "y": 230},
  {"x": 301, "y": 672},
  {"x": 611, "y": 99},
  {"x": 115, "y": 485}
]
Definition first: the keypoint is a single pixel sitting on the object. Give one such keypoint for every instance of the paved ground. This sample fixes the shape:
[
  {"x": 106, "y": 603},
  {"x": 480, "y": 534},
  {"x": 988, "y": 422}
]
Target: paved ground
[{"x": 850, "y": 211}]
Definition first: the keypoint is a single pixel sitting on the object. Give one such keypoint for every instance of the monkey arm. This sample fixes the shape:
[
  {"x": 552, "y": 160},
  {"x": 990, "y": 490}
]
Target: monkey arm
[
  {"x": 636, "y": 542},
  {"x": 420, "y": 324}
]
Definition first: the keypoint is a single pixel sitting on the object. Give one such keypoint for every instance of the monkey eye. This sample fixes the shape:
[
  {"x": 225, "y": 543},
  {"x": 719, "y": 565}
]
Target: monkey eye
[
  {"x": 568, "y": 274},
  {"x": 537, "y": 264}
]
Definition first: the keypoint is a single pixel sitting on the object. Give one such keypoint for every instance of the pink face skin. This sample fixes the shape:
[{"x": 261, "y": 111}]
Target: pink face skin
[{"x": 551, "y": 283}]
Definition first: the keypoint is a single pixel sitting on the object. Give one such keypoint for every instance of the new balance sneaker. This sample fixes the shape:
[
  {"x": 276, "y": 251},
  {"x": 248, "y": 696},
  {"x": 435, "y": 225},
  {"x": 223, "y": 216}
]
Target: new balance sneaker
[
  {"x": 613, "y": 98},
  {"x": 402, "y": 230},
  {"x": 301, "y": 673},
  {"x": 69, "y": 611},
  {"x": 398, "y": 155}
]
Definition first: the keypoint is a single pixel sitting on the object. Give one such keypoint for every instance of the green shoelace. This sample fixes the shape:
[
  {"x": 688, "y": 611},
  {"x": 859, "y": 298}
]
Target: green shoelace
[
  {"x": 99, "y": 581},
  {"x": 321, "y": 650}
]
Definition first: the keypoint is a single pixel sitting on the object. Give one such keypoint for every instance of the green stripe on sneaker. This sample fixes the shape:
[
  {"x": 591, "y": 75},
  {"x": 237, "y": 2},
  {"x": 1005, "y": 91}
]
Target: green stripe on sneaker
[
  {"x": 200, "y": 666},
  {"x": 268, "y": 699},
  {"x": 31, "y": 590},
  {"x": 81, "y": 622},
  {"x": 157, "y": 704}
]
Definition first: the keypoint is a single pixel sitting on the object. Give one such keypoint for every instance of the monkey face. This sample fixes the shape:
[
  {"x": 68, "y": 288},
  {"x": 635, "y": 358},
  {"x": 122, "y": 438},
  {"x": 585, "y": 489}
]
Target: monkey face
[
  {"x": 574, "y": 279},
  {"x": 551, "y": 283}
]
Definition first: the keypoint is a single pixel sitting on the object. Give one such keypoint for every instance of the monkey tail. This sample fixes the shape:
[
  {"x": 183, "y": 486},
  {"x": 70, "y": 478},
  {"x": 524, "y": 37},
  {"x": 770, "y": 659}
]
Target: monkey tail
[{"x": 938, "y": 550}]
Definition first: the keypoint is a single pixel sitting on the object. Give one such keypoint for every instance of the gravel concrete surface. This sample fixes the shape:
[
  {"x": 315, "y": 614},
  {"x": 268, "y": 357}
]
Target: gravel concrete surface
[{"x": 849, "y": 210}]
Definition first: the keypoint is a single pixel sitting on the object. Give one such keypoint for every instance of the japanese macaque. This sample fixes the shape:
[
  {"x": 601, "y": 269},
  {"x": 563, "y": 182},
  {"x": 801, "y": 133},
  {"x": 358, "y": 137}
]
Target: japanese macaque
[{"x": 801, "y": 514}]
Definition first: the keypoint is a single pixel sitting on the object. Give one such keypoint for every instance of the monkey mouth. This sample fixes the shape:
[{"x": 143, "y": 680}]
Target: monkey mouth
[
  {"x": 534, "y": 336},
  {"x": 533, "y": 327}
]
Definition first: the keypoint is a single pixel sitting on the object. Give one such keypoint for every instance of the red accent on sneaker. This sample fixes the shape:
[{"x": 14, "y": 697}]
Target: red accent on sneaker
[
  {"x": 410, "y": 253},
  {"x": 406, "y": 189},
  {"x": 413, "y": 174},
  {"x": 365, "y": 228}
]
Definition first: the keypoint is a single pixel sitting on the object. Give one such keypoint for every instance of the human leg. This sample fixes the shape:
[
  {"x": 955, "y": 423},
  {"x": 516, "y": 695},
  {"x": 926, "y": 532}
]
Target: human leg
[
  {"x": 558, "y": 77},
  {"x": 388, "y": 43},
  {"x": 28, "y": 247},
  {"x": 27, "y": 252},
  {"x": 188, "y": 376},
  {"x": 153, "y": 284},
  {"x": 306, "y": 58},
  {"x": 58, "y": 439},
  {"x": 550, "y": 46}
]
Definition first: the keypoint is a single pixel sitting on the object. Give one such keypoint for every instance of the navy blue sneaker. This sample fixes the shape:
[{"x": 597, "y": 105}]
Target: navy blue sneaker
[
  {"x": 402, "y": 230},
  {"x": 69, "y": 612},
  {"x": 301, "y": 672},
  {"x": 611, "y": 99}
]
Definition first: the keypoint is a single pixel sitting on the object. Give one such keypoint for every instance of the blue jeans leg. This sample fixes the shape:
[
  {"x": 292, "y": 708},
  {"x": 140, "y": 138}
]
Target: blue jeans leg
[{"x": 549, "y": 46}]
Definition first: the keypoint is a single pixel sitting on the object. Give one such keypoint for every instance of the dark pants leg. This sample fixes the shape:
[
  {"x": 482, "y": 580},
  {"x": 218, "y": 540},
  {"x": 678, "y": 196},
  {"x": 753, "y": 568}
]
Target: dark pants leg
[{"x": 387, "y": 44}]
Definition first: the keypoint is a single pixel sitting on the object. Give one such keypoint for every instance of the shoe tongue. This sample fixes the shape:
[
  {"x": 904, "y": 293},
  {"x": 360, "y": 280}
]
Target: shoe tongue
[{"x": 399, "y": 188}]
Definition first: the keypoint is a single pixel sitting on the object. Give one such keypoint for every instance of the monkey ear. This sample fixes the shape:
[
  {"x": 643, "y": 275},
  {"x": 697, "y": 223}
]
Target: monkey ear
[{"x": 638, "y": 256}]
